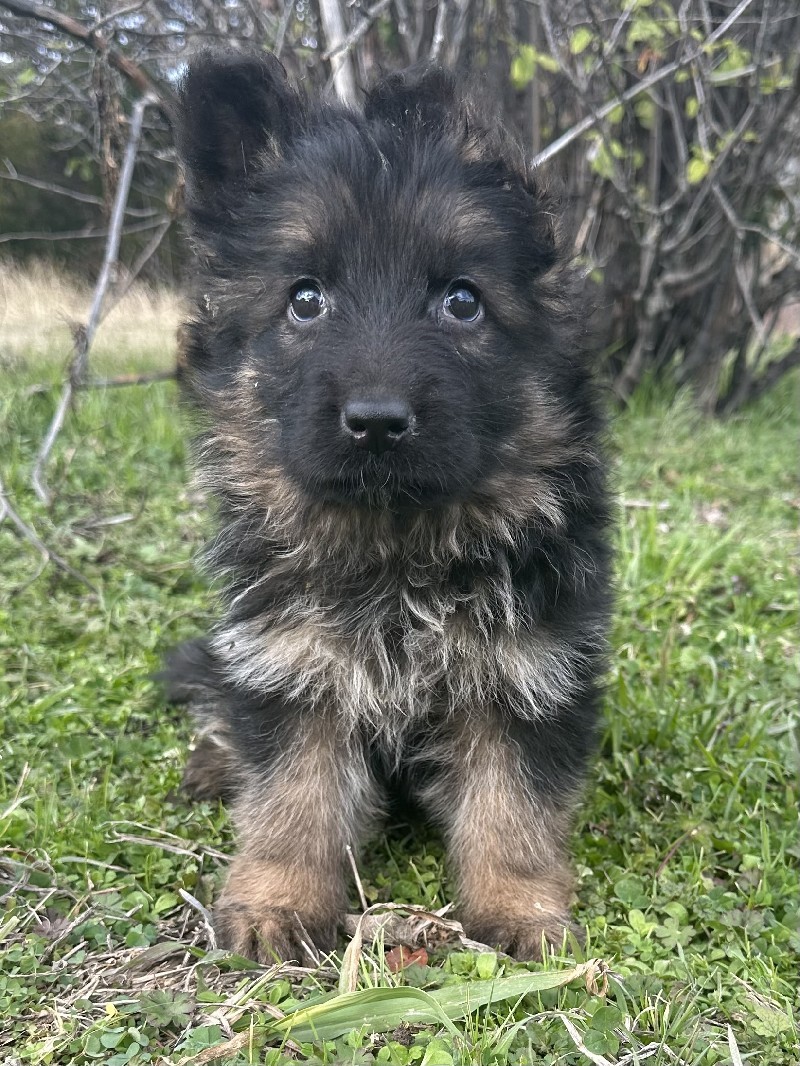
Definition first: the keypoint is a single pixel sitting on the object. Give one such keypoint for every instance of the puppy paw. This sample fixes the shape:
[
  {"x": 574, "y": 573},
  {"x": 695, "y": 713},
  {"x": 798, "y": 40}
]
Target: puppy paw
[
  {"x": 270, "y": 911},
  {"x": 525, "y": 936},
  {"x": 271, "y": 934}
]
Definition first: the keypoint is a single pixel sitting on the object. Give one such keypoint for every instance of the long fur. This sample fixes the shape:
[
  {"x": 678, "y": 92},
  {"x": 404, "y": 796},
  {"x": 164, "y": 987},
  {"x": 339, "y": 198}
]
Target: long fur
[{"x": 434, "y": 617}]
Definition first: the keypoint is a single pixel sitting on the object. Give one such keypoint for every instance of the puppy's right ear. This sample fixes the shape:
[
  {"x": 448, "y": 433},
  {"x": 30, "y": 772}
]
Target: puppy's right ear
[{"x": 232, "y": 107}]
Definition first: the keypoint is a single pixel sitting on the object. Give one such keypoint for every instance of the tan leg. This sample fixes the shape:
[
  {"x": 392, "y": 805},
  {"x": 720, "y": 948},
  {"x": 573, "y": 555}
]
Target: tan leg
[
  {"x": 507, "y": 842},
  {"x": 288, "y": 881}
]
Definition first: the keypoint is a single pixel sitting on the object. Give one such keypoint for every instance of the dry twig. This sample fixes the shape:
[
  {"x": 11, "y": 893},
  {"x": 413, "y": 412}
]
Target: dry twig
[
  {"x": 85, "y": 335},
  {"x": 590, "y": 121},
  {"x": 96, "y": 41},
  {"x": 28, "y": 534}
]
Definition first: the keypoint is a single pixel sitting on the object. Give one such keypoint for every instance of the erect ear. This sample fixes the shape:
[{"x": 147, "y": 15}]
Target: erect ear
[
  {"x": 546, "y": 214},
  {"x": 432, "y": 99},
  {"x": 232, "y": 106},
  {"x": 423, "y": 95}
]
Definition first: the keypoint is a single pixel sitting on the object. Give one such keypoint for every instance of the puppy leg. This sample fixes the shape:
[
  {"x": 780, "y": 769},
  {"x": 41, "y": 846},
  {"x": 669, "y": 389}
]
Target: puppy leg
[
  {"x": 295, "y": 819},
  {"x": 506, "y": 822},
  {"x": 211, "y": 771},
  {"x": 192, "y": 677}
]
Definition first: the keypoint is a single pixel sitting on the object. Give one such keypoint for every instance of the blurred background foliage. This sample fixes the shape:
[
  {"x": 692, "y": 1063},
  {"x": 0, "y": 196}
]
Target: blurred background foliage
[{"x": 671, "y": 126}]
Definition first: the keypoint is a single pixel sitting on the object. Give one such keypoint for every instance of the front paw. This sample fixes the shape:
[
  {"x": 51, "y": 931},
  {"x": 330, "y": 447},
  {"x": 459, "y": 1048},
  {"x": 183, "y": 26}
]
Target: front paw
[
  {"x": 272, "y": 934},
  {"x": 526, "y": 936},
  {"x": 276, "y": 911}
]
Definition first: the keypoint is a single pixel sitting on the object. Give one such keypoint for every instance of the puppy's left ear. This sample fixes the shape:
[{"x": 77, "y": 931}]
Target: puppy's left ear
[
  {"x": 424, "y": 95},
  {"x": 545, "y": 213},
  {"x": 232, "y": 107}
]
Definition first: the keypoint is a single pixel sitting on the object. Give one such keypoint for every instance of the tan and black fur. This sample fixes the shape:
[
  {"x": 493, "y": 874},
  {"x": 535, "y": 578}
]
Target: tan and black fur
[{"x": 414, "y": 601}]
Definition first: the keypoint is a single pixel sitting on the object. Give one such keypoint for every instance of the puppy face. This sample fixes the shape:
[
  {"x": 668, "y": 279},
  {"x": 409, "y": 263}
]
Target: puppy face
[{"x": 376, "y": 328}]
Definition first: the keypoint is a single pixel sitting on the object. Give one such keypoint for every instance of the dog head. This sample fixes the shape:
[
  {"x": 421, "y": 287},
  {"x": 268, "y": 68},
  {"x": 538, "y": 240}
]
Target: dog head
[{"x": 381, "y": 319}]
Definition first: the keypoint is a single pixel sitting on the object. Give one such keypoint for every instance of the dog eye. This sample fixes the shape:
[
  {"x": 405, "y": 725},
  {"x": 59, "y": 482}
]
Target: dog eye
[
  {"x": 306, "y": 301},
  {"x": 463, "y": 302}
]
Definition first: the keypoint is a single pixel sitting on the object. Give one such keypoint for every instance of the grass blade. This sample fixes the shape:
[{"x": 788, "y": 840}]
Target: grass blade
[{"x": 384, "y": 1009}]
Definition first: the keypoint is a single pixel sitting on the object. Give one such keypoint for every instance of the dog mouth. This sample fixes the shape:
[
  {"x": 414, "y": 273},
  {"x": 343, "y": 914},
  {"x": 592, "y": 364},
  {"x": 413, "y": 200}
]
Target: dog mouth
[
  {"x": 400, "y": 479},
  {"x": 385, "y": 490}
]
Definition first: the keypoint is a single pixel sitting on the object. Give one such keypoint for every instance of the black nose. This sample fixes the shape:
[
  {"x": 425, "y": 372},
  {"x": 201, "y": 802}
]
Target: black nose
[{"x": 376, "y": 425}]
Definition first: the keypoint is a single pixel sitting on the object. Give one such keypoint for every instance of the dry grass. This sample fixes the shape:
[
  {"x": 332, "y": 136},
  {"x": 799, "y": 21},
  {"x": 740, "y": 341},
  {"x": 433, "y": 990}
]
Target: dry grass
[{"x": 38, "y": 305}]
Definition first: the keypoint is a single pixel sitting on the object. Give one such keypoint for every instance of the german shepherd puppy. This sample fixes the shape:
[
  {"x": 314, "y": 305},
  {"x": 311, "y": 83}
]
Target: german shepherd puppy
[{"x": 403, "y": 439}]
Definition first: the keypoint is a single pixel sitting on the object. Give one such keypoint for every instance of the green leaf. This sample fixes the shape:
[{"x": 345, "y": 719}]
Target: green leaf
[
  {"x": 645, "y": 111},
  {"x": 639, "y": 924},
  {"x": 163, "y": 1007},
  {"x": 112, "y": 1037},
  {"x": 26, "y": 76},
  {"x": 384, "y": 1009},
  {"x": 696, "y": 170},
  {"x": 523, "y": 66},
  {"x": 547, "y": 62},
  {"x": 767, "y": 1021},
  {"x": 631, "y": 891},
  {"x": 437, "y": 1053},
  {"x": 526, "y": 62},
  {"x": 580, "y": 40},
  {"x": 381, "y": 1009},
  {"x": 600, "y": 1043},
  {"x": 677, "y": 911},
  {"x": 606, "y": 1018},
  {"x": 165, "y": 902},
  {"x": 602, "y": 161}
]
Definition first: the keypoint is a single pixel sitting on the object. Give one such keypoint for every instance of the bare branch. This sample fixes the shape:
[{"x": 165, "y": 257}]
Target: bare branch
[
  {"x": 86, "y": 335},
  {"x": 30, "y": 535},
  {"x": 686, "y": 207},
  {"x": 288, "y": 9},
  {"x": 80, "y": 234},
  {"x": 438, "y": 30},
  {"x": 640, "y": 87},
  {"x": 741, "y": 227},
  {"x": 342, "y": 76},
  {"x": 771, "y": 375},
  {"x": 96, "y": 41},
  {"x": 358, "y": 30},
  {"x": 144, "y": 256},
  {"x": 72, "y": 194},
  {"x": 127, "y": 379}
]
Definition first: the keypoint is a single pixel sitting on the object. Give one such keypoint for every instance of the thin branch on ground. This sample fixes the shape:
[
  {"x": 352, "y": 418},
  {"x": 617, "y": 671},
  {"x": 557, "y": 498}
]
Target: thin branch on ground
[
  {"x": 127, "y": 379},
  {"x": 30, "y": 535},
  {"x": 357, "y": 876}
]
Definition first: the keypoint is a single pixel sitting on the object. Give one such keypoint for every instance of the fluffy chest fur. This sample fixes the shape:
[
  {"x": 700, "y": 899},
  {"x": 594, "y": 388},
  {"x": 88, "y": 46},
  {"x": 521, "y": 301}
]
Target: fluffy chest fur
[{"x": 390, "y": 629}]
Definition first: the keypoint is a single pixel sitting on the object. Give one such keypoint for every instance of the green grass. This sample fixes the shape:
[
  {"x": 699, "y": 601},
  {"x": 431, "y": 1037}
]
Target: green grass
[{"x": 687, "y": 847}]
